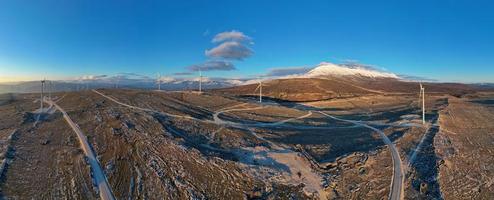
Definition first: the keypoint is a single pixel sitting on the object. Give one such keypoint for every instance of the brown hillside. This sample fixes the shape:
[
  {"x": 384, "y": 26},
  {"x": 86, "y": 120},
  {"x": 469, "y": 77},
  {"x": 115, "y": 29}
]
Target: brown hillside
[
  {"x": 303, "y": 89},
  {"x": 313, "y": 89}
]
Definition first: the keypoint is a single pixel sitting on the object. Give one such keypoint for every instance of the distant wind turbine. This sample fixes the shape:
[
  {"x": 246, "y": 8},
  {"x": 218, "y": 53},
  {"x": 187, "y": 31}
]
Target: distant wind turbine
[
  {"x": 422, "y": 94},
  {"x": 200, "y": 81},
  {"x": 117, "y": 82},
  {"x": 159, "y": 81},
  {"x": 260, "y": 90},
  {"x": 42, "y": 91},
  {"x": 50, "y": 88}
]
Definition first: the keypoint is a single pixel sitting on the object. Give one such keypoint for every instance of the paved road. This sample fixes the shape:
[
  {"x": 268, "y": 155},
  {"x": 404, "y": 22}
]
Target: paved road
[
  {"x": 397, "y": 189},
  {"x": 104, "y": 188}
]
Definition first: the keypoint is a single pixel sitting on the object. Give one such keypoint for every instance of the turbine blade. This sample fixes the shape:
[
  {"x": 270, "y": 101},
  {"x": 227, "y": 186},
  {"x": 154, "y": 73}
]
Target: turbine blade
[{"x": 258, "y": 86}]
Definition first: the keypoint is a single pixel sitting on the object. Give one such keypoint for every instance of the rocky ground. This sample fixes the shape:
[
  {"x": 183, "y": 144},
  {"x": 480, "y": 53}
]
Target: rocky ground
[
  {"x": 46, "y": 154},
  {"x": 169, "y": 145},
  {"x": 465, "y": 147}
]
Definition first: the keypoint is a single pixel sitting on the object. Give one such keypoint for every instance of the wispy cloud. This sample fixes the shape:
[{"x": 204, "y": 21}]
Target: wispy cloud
[
  {"x": 416, "y": 78},
  {"x": 233, "y": 35},
  {"x": 230, "y": 50},
  {"x": 357, "y": 65},
  {"x": 131, "y": 75},
  {"x": 286, "y": 71},
  {"x": 233, "y": 46},
  {"x": 92, "y": 77},
  {"x": 213, "y": 66},
  {"x": 182, "y": 73}
]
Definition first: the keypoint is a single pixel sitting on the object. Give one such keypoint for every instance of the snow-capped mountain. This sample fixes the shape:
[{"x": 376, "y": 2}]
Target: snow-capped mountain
[
  {"x": 330, "y": 69},
  {"x": 130, "y": 80}
]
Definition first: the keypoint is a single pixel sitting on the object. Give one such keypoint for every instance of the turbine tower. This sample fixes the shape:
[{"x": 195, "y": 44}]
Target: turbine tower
[
  {"x": 422, "y": 94},
  {"x": 42, "y": 95},
  {"x": 159, "y": 81},
  {"x": 260, "y": 90},
  {"x": 49, "y": 90},
  {"x": 200, "y": 81},
  {"x": 117, "y": 82}
]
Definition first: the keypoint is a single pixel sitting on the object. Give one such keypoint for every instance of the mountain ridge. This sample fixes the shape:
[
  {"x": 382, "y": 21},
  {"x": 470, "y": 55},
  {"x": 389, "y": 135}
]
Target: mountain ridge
[{"x": 347, "y": 69}]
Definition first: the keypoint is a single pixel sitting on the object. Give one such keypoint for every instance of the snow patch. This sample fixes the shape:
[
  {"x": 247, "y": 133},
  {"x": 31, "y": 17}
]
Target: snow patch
[{"x": 330, "y": 69}]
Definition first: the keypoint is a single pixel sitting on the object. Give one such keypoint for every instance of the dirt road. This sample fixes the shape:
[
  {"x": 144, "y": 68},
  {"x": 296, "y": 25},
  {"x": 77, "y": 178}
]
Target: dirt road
[
  {"x": 398, "y": 179},
  {"x": 99, "y": 177},
  {"x": 281, "y": 154}
]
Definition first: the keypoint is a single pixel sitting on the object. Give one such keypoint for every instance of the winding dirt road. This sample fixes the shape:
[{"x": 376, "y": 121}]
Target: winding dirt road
[
  {"x": 398, "y": 179},
  {"x": 289, "y": 158},
  {"x": 281, "y": 154}
]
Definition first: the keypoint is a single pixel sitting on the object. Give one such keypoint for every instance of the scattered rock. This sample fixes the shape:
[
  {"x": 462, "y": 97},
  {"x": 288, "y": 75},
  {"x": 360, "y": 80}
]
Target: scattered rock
[
  {"x": 332, "y": 194},
  {"x": 115, "y": 131},
  {"x": 424, "y": 188},
  {"x": 362, "y": 171},
  {"x": 110, "y": 167},
  {"x": 44, "y": 141},
  {"x": 128, "y": 125}
]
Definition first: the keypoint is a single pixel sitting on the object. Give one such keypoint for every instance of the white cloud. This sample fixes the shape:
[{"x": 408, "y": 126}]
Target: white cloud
[
  {"x": 230, "y": 50},
  {"x": 92, "y": 77},
  {"x": 182, "y": 73},
  {"x": 213, "y": 66},
  {"x": 286, "y": 71},
  {"x": 231, "y": 36}
]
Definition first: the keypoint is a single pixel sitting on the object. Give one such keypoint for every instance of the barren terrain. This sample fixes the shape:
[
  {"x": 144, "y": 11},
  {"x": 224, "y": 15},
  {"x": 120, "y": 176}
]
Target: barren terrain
[
  {"x": 181, "y": 145},
  {"x": 464, "y": 146}
]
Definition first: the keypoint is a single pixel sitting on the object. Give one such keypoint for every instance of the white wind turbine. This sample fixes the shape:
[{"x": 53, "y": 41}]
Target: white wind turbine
[
  {"x": 260, "y": 90},
  {"x": 42, "y": 91},
  {"x": 159, "y": 81},
  {"x": 200, "y": 81},
  {"x": 50, "y": 88},
  {"x": 117, "y": 81},
  {"x": 422, "y": 94}
]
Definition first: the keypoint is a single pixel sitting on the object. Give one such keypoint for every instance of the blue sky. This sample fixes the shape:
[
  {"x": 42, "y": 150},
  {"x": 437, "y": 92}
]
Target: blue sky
[{"x": 444, "y": 40}]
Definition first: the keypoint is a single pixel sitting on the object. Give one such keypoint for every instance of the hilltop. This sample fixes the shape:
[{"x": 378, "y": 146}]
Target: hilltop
[{"x": 329, "y": 80}]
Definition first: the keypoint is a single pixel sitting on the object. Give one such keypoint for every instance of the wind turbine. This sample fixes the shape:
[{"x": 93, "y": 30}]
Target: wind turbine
[
  {"x": 49, "y": 91},
  {"x": 159, "y": 81},
  {"x": 260, "y": 90},
  {"x": 54, "y": 86},
  {"x": 422, "y": 94},
  {"x": 117, "y": 81},
  {"x": 42, "y": 91},
  {"x": 200, "y": 80}
]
